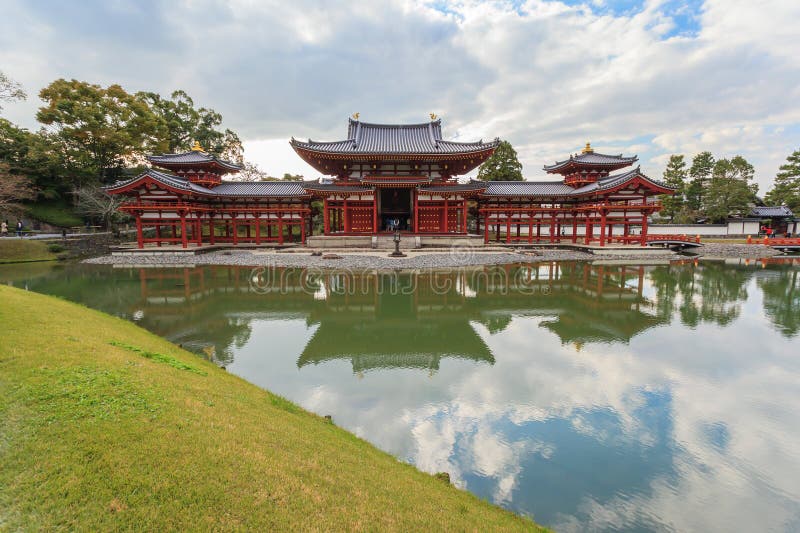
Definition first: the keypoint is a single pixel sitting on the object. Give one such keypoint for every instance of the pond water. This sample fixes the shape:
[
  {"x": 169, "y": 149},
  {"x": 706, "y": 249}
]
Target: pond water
[{"x": 593, "y": 397}]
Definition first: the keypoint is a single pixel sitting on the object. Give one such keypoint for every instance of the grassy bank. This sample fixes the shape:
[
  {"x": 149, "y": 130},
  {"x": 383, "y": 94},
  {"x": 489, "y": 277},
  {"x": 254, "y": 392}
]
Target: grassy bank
[
  {"x": 56, "y": 213},
  {"x": 16, "y": 250},
  {"x": 106, "y": 426}
]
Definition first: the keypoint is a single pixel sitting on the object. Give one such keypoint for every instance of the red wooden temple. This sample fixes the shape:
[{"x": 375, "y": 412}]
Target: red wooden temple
[{"x": 383, "y": 178}]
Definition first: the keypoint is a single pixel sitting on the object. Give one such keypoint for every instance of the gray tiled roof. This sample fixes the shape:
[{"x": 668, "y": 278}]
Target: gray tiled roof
[
  {"x": 317, "y": 186},
  {"x": 226, "y": 188},
  {"x": 460, "y": 187},
  {"x": 528, "y": 188},
  {"x": 366, "y": 138},
  {"x": 771, "y": 211},
  {"x": 558, "y": 188},
  {"x": 169, "y": 180},
  {"x": 259, "y": 188},
  {"x": 593, "y": 158},
  {"x": 614, "y": 180},
  {"x": 191, "y": 157}
]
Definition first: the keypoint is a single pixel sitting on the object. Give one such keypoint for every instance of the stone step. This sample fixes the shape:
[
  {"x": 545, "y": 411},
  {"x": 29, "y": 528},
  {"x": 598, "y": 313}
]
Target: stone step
[{"x": 386, "y": 242}]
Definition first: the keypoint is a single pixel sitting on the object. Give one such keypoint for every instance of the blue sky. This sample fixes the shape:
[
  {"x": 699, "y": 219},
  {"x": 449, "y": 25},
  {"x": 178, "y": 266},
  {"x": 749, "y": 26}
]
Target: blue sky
[{"x": 651, "y": 77}]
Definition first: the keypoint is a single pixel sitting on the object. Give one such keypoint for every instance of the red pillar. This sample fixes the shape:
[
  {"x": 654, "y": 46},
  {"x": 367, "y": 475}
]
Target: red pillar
[
  {"x": 644, "y": 228},
  {"x": 574, "y": 228},
  {"x": 211, "y": 229},
  {"x": 235, "y": 231},
  {"x": 158, "y": 232},
  {"x": 530, "y": 228},
  {"x": 199, "y": 227},
  {"x": 603, "y": 228},
  {"x": 446, "y": 226},
  {"x": 326, "y": 218},
  {"x": 589, "y": 230},
  {"x": 375, "y": 212},
  {"x": 508, "y": 228},
  {"x": 464, "y": 215},
  {"x": 303, "y": 231},
  {"x": 346, "y": 217},
  {"x": 280, "y": 228},
  {"x": 258, "y": 229},
  {"x": 486, "y": 230},
  {"x": 416, "y": 211},
  {"x": 139, "y": 232},
  {"x": 184, "y": 241}
]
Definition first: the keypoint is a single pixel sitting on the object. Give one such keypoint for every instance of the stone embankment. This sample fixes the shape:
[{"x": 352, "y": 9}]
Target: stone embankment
[{"x": 744, "y": 251}]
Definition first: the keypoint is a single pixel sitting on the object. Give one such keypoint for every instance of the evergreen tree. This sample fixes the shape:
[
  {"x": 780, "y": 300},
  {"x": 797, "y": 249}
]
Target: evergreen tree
[
  {"x": 675, "y": 176},
  {"x": 730, "y": 191},
  {"x": 503, "y": 165},
  {"x": 96, "y": 130},
  {"x": 182, "y": 124},
  {"x": 700, "y": 174},
  {"x": 786, "y": 190}
]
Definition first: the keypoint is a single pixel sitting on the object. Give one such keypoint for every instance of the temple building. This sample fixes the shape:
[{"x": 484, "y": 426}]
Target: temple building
[{"x": 384, "y": 178}]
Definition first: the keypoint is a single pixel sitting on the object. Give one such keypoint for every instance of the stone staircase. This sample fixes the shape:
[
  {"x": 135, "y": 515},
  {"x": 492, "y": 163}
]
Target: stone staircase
[{"x": 386, "y": 242}]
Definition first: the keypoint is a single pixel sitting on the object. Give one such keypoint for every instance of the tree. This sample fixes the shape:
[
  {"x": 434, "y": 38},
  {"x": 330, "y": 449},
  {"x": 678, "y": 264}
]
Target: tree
[
  {"x": 32, "y": 154},
  {"x": 182, "y": 125},
  {"x": 700, "y": 174},
  {"x": 786, "y": 190},
  {"x": 10, "y": 90},
  {"x": 95, "y": 203},
  {"x": 730, "y": 191},
  {"x": 503, "y": 165},
  {"x": 14, "y": 189},
  {"x": 97, "y": 130},
  {"x": 675, "y": 176}
]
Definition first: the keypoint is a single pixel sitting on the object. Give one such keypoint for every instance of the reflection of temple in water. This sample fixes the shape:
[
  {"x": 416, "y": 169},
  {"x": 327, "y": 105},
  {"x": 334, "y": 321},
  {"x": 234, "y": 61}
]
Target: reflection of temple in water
[{"x": 394, "y": 320}]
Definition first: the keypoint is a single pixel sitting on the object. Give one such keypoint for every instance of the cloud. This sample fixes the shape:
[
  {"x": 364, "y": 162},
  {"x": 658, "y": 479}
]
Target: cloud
[{"x": 655, "y": 76}]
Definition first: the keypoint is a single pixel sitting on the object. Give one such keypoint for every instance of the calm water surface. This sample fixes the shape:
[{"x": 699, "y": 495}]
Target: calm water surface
[{"x": 631, "y": 398}]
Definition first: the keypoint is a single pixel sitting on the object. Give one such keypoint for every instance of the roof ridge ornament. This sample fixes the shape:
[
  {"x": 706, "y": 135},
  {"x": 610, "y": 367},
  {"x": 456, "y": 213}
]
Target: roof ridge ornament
[
  {"x": 587, "y": 149},
  {"x": 356, "y": 115},
  {"x": 433, "y": 116},
  {"x": 196, "y": 147}
]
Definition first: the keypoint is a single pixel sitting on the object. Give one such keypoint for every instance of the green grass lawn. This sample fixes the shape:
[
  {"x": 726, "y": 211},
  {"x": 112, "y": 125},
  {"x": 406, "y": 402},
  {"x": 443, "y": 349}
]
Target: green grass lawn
[
  {"x": 16, "y": 250},
  {"x": 106, "y": 426},
  {"x": 56, "y": 213}
]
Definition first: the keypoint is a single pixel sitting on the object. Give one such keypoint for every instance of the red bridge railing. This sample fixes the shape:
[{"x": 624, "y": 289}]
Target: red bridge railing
[
  {"x": 654, "y": 237},
  {"x": 774, "y": 241}
]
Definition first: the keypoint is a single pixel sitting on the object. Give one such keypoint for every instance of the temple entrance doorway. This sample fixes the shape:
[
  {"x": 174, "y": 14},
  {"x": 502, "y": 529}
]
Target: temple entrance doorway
[{"x": 395, "y": 210}]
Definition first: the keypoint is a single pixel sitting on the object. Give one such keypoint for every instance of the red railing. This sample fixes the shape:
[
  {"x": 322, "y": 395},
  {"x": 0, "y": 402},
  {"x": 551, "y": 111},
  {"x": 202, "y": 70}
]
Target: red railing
[
  {"x": 773, "y": 241},
  {"x": 654, "y": 237}
]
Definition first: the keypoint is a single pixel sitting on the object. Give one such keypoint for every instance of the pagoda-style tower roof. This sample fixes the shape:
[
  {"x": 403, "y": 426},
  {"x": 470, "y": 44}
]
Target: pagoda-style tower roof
[
  {"x": 194, "y": 159},
  {"x": 196, "y": 165},
  {"x": 588, "y": 166},
  {"x": 421, "y": 142},
  {"x": 588, "y": 159}
]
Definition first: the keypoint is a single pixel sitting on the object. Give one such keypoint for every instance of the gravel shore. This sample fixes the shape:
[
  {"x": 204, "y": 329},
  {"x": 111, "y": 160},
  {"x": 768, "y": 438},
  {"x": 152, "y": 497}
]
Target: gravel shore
[
  {"x": 746, "y": 251},
  {"x": 415, "y": 260}
]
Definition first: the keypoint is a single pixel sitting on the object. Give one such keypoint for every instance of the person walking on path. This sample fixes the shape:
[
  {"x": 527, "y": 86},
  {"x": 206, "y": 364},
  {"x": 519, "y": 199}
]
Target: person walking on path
[
  {"x": 4, "y": 229},
  {"x": 19, "y": 229}
]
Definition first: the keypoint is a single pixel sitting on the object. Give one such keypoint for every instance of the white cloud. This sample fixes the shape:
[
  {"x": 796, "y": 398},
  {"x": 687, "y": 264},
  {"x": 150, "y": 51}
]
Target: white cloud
[{"x": 545, "y": 75}]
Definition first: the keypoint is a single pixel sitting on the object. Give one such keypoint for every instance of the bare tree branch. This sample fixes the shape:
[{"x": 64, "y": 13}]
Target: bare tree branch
[{"x": 94, "y": 202}]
